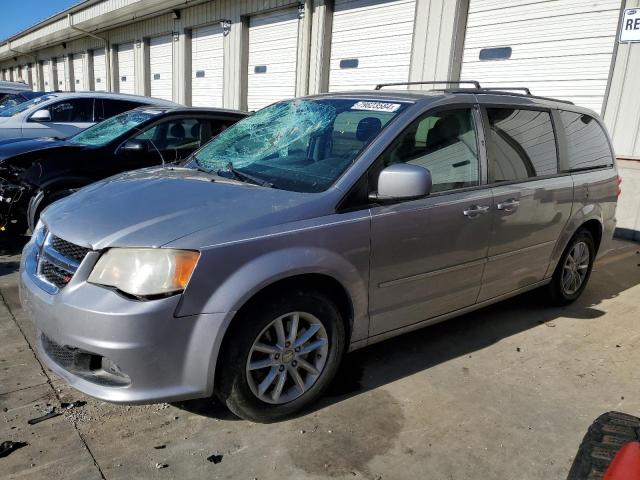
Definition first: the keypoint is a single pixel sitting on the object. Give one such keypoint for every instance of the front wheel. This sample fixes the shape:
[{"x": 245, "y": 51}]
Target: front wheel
[
  {"x": 573, "y": 270},
  {"x": 281, "y": 355}
]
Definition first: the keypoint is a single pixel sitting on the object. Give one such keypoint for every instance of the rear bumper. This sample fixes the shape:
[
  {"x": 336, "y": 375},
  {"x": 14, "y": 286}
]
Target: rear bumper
[{"x": 157, "y": 356}]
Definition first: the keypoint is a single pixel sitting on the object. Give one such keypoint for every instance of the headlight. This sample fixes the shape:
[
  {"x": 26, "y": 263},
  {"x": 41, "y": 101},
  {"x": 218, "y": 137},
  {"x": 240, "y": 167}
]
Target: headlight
[{"x": 145, "y": 271}]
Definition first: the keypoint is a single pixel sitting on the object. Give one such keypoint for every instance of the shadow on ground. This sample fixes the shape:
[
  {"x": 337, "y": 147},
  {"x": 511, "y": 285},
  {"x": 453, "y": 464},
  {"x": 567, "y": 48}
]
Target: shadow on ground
[{"x": 399, "y": 357}]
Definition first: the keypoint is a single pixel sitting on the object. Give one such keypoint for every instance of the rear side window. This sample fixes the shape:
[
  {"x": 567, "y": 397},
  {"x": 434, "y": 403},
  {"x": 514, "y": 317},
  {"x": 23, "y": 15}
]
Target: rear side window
[
  {"x": 110, "y": 108},
  {"x": 587, "y": 144},
  {"x": 522, "y": 144}
]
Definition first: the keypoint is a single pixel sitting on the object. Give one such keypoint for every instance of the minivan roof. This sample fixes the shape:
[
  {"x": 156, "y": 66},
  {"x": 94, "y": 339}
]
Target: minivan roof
[{"x": 483, "y": 95}]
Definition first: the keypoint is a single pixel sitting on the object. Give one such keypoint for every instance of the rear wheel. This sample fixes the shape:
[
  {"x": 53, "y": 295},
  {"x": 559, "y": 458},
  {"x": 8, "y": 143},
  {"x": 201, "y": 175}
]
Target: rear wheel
[
  {"x": 281, "y": 355},
  {"x": 573, "y": 270}
]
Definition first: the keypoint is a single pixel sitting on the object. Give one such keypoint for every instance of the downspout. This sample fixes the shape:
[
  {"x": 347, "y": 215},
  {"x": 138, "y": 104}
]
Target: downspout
[{"x": 107, "y": 52}]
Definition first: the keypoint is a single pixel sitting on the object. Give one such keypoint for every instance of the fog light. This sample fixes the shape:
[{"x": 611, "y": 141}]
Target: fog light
[{"x": 110, "y": 367}]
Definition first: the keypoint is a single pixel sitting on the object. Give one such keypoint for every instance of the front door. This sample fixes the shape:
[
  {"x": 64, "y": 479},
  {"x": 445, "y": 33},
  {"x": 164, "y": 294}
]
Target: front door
[
  {"x": 428, "y": 255},
  {"x": 68, "y": 117},
  {"x": 532, "y": 203}
]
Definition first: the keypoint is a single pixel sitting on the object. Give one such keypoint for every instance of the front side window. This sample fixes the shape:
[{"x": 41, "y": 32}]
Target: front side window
[
  {"x": 177, "y": 134},
  {"x": 298, "y": 145},
  {"x": 587, "y": 144},
  {"x": 104, "y": 132},
  {"x": 521, "y": 144},
  {"x": 445, "y": 143},
  {"x": 77, "y": 110}
]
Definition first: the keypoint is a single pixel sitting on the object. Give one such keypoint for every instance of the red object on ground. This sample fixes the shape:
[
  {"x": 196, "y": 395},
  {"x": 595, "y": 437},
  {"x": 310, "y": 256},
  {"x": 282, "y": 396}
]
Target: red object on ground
[{"x": 626, "y": 464}]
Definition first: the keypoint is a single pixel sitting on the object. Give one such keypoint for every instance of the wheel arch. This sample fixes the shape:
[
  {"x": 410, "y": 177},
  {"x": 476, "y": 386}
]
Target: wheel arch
[
  {"x": 49, "y": 187},
  {"x": 587, "y": 217}
]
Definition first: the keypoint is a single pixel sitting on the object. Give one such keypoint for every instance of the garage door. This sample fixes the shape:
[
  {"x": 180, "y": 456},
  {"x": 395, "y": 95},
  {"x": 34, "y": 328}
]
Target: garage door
[
  {"x": 99, "y": 70},
  {"x": 371, "y": 43},
  {"x": 61, "y": 75},
  {"x": 207, "y": 57},
  {"x": 78, "y": 73},
  {"x": 161, "y": 59},
  {"x": 126, "y": 69},
  {"x": 273, "y": 51},
  {"x": 558, "y": 48},
  {"x": 46, "y": 73}
]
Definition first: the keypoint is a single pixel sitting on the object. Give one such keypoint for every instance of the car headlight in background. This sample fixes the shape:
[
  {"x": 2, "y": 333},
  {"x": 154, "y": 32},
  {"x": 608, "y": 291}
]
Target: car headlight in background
[{"x": 144, "y": 272}]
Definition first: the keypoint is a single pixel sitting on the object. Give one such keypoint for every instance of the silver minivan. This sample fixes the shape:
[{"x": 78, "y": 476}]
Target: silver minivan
[{"x": 314, "y": 227}]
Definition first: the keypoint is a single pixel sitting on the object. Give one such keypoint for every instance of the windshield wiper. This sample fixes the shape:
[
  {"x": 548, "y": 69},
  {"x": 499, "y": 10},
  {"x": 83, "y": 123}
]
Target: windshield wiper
[{"x": 245, "y": 177}]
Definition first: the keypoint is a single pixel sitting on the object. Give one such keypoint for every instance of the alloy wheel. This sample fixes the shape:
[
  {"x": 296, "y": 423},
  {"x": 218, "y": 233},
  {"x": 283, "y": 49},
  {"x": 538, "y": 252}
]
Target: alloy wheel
[
  {"x": 575, "y": 268},
  {"x": 287, "y": 357}
]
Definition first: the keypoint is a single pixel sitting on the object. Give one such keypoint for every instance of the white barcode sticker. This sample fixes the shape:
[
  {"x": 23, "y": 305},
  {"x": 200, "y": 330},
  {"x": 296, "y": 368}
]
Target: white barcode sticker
[{"x": 376, "y": 106}]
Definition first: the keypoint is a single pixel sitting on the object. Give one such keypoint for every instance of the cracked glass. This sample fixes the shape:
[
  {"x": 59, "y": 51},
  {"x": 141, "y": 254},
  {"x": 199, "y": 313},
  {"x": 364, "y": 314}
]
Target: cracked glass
[
  {"x": 107, "y": 131},
  {"x": 300, "y": 145}
]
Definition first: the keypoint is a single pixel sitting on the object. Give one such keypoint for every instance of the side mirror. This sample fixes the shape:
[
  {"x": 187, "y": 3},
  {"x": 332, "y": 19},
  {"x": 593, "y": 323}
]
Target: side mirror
[
  {"x": 41, "y": 116},
  {"x": 403, "y": 181},
  {"x": 134, "y": 146}
]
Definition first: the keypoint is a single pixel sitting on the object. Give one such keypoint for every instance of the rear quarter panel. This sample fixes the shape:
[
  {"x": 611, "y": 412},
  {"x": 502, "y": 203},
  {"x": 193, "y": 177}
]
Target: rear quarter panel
[{"x": 594, "y": 198}]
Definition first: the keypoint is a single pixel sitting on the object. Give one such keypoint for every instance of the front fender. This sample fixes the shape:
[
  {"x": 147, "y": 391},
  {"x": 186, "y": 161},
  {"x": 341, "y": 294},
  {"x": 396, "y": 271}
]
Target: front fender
[{"x": 263, "y": 270}]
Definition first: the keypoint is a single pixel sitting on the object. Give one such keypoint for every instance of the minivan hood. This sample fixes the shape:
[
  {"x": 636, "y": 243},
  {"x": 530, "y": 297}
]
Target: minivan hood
[{"x": 155, "y": 206}]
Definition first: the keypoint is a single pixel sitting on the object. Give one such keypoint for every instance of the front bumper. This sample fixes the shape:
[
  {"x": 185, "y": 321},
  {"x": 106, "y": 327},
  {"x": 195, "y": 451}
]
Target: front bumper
[{"x": 161, "y": 357}]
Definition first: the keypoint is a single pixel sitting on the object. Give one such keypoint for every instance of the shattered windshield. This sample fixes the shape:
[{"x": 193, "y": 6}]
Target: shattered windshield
[
  {"x": 104, "y": 132},
  {"x": 21, "y": 107},
  {"x": 298, "y": 145}
]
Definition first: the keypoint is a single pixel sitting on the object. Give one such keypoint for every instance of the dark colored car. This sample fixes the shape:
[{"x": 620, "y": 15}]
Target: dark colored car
[
  {"x": 17, "y": 98},
  {"x": 37, "y": 172}
]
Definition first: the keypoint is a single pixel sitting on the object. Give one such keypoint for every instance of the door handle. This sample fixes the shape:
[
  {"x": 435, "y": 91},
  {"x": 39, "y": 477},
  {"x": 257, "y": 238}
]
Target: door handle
[
  {"x": 475, "y": 210},
  {"x": 509, "y": 205}
]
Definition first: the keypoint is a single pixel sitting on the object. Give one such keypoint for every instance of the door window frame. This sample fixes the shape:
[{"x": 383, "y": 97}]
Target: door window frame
[
  {"x": 63, "y": 100},
  {"x": 344, "y": 206}
]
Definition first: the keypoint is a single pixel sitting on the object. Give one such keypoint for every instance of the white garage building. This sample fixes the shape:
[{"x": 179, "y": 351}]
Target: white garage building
[{"x": 246, "y": 54}]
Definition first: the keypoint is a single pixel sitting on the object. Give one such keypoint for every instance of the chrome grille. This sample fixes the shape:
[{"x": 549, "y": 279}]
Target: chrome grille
[{"x": 59, "y": 260}]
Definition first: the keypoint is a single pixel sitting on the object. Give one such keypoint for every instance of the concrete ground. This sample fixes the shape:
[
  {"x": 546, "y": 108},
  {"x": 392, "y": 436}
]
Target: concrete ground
[{"x": 505, "y": 392}]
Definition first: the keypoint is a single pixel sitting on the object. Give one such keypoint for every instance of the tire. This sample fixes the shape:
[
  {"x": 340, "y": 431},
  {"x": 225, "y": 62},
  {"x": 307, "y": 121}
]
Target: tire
[
  {"x": 605, "y": 437},
  {"x": 240, "y": 388},
  {"x": 557, "y": 289}
]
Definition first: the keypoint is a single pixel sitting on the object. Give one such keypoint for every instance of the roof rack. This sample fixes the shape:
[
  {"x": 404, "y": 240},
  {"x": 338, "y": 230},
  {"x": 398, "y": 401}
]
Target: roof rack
[
  {"x": 524, "y": 89},
  {"x": 475, "y": 83},
  {"x": 477, "y": 88}
]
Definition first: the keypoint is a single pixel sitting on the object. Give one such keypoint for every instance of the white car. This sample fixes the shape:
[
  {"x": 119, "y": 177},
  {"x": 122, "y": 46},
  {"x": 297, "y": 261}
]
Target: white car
[{"x": 64, "y": 114}]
